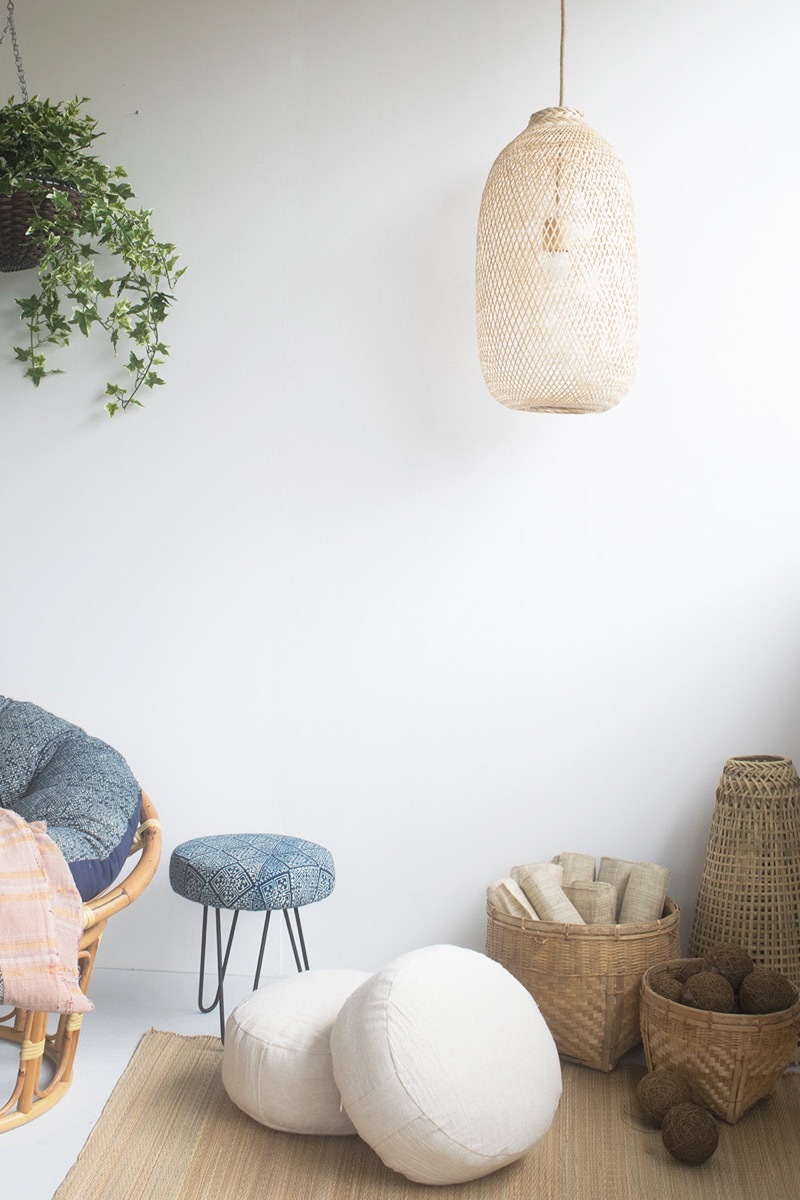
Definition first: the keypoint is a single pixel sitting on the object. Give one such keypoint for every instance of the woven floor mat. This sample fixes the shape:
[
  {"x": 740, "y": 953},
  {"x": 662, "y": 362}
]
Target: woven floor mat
[{"x": 169, "y": 1132}]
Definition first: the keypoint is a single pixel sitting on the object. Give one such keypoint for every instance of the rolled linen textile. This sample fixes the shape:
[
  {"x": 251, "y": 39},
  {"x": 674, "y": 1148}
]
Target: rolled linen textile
[
  {"x": 508, "y": 897},
  {"x": 547, "y": 896},
  {"x": 645, "y": 894},
  {"x": 576, "y": 868},
  {"x": 616, "y": 871},
  {"x": 595, "y": 901},
  {"x": 553, "y": 868}
]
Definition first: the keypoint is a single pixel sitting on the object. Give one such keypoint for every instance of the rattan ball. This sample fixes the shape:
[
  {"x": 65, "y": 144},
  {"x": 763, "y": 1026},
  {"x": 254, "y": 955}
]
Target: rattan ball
[
  {"x": 709, "y": 991},
  {"x": 766, "y": 992},
  {"x": 690, "y": 1133},
  {"x": 731, "y": 961},
  {"x": 687, "y": 969},
  {"x": 660, "y": 1091},
  {"x": 666, "y": 985}
]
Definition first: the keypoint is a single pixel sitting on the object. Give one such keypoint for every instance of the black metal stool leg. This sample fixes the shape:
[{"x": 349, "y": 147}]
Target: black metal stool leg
[
  {"x": 298, "y": 964},
  {"x": 222, "y": 965},
  {"x": 223, "y": 958},
  {"x": 300, "y": 935},
  {"x": 261, "y": 948},
  {"x": 221, "y": 974}
]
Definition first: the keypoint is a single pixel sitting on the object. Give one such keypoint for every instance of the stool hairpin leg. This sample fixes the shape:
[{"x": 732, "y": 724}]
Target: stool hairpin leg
[
  {"x": 300, "y": 935},
  {"x": 222, "y": 966},
  {"x": 291, "y": 939},
  {"x": 261, "y": 948}
]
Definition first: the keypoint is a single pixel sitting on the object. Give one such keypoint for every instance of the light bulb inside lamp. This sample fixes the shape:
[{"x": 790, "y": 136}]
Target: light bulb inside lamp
[{"x": 555, "y": 243}]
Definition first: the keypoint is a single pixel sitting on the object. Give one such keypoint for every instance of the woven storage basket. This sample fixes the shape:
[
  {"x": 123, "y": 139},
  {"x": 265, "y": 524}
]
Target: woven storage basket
[
  {"x": 586, "y": 979},
  {"x": 730, "y": 1060}
]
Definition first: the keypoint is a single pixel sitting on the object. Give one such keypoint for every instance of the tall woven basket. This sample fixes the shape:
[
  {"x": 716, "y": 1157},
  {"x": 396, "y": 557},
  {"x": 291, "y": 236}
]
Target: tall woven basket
[
  {"x": 750, "y": 886},
  {"x": 586, "y": 979}
]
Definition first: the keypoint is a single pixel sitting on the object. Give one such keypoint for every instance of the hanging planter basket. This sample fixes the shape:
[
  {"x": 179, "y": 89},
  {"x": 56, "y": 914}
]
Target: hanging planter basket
[
  {"x": 18, "y": 250},
  {"x": 60, "y": 206}
]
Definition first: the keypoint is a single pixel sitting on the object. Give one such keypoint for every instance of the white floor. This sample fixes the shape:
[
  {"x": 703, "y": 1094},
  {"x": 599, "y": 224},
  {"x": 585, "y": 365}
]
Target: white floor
[{"x": 35, "y": 1158}]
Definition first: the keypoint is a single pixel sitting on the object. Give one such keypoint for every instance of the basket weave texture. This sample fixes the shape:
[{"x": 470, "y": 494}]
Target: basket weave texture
[
  {"x": 750, "y": 887},
  {"x": 18, "y": 252},
  {"x": 556, "y": 286},
  {"x": 586, "y": 979},
  {"x": 730, "y": 1060}
]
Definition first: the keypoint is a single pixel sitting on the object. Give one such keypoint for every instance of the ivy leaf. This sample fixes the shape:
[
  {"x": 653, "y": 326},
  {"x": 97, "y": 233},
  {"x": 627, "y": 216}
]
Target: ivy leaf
[{"x": 42, "y": 142}]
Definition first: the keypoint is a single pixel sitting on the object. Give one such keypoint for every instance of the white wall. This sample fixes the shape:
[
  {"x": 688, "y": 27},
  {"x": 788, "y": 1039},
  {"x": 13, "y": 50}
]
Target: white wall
[{"x": 324, "y": 584}]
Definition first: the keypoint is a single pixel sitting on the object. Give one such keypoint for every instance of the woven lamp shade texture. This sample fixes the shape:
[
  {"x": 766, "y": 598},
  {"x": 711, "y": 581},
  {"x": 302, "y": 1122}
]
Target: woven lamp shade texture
[{"x": 556, "y": 277}]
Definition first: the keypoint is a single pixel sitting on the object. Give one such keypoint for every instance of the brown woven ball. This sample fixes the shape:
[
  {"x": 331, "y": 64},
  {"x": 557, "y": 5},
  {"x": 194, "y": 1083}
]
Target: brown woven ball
[
  {"x": 731, "y": 961},
  {"x": 665, "y": 985},
  {"x": 709, "y": 991},
  {"x": 690, "y": 968},
  {"x": 690, "y": 1133},
  {"x": 659, "y": 1091},
  {"x": 766, "y": 992}
]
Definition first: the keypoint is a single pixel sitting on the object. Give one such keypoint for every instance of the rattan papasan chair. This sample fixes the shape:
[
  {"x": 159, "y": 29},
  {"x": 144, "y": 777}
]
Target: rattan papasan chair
[{"x": 98, "y": 816}]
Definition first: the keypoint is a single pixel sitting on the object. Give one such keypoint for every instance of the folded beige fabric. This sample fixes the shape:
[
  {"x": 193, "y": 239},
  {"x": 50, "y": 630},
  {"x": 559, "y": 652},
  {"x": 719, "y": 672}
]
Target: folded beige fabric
[
  {"x": 615, "y": 871},
  {"x": 576, "y": 868},
  {"x": 645, "y": 894},
  {"x": 596, "y": 902},
  {"x": 546, "y": 895},
  {"x": 508, "y": 897},
  {"x": 42, "y": 922},
  {"x": 552, "y": 868}
]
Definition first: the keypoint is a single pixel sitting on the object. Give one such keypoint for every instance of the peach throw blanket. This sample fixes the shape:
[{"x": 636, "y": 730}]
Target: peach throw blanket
[{"x": 41, "y": 921}]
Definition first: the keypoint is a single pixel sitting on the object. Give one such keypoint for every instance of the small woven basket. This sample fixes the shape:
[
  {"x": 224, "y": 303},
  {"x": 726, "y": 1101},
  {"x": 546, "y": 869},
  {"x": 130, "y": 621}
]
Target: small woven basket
[
  {"x": 730, "y": 1060},
  {"x": 18, "y": 252},
  {"x": 586, "y": 979}
]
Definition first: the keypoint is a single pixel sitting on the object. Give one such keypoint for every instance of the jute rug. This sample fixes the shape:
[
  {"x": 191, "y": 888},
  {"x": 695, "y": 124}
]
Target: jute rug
[{"x": 169, "y": 1132}]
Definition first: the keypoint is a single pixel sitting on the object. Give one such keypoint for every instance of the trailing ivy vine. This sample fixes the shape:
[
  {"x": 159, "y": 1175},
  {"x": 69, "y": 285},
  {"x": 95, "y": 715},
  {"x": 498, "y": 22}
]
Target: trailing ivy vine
[{"x": 101, "y": 265}]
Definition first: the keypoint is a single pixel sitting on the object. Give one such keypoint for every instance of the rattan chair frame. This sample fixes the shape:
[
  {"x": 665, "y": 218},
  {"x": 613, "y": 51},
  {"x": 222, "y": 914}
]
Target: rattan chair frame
[{"x": 29, "y": 1030}]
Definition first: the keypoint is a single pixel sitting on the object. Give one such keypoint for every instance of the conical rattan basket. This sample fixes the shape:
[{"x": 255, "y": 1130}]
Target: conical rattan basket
[
  {"x": 750, "y": 887},
  {"x": 556, "y": 270}
]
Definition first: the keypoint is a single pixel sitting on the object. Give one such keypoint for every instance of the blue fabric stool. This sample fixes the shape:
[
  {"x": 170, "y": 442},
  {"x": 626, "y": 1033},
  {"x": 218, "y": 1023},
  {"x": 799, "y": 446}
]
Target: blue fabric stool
[{"x": 254, "y": 872}]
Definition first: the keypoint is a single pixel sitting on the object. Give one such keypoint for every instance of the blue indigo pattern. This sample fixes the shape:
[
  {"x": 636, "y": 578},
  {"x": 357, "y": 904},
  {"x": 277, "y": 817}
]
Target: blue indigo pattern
[
  {"x": 84, "y": 790},
  {"x": 251, "y": 871}
]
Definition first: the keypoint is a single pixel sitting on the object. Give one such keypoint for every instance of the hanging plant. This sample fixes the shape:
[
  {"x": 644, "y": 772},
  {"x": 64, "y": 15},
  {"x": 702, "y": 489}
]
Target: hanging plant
[
  {"x": 98, "y": 260},
  {"x": 70, "y": 216}
]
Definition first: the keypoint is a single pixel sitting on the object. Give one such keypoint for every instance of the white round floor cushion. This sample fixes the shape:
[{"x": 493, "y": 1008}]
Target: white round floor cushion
[
  {"x": 445, "y": 1065},
  {"x": 276, "y": 1064}
]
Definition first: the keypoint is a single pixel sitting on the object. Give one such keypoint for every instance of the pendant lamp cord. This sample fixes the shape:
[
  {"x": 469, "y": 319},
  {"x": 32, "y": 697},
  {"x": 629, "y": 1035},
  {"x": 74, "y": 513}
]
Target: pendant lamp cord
[
  {"x": 11, "y": 28},
  {"x": 561, "y": 54}
]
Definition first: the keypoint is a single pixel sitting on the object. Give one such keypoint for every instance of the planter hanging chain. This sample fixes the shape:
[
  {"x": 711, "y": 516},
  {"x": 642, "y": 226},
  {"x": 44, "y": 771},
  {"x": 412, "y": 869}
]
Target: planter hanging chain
[{"x": 10, "y": 28}]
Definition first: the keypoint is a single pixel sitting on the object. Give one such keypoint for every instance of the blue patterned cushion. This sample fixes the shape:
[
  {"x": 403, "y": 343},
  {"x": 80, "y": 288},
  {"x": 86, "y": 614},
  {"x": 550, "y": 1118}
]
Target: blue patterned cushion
[
  {"x": 252, "y": 871},
  {"x": 52, "y": 771}
]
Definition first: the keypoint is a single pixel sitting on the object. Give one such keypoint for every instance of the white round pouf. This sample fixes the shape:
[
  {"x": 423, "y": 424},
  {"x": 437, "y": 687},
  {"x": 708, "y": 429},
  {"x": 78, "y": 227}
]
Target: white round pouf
[
  {"x": 276, "y": 1063},
  {"x": 445, "y": 1065}
]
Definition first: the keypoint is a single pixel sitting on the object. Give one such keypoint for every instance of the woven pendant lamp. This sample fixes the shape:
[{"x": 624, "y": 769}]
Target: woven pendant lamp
[{"x": 556, "y": 269}]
